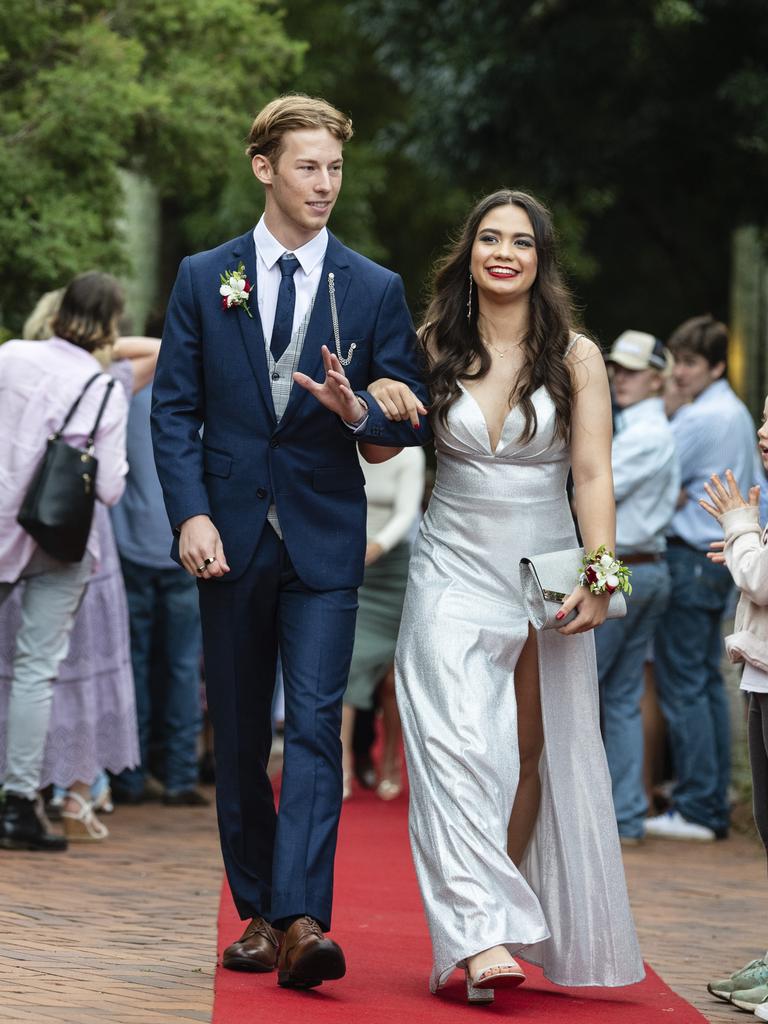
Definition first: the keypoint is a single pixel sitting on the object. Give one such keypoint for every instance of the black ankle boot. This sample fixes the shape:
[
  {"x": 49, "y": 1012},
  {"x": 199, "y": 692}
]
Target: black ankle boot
[{"x": 22, "y": 828}]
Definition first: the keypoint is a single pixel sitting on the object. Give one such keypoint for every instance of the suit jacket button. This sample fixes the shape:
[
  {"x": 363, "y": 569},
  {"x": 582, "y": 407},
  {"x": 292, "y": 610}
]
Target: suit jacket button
[
  {"x": 261, "y": 493},
  {"x": 274, "y": 443}
]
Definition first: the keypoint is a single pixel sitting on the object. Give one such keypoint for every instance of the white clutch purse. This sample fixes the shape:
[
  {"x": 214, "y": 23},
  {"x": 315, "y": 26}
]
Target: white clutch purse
[{"x": 546, "y": 580}]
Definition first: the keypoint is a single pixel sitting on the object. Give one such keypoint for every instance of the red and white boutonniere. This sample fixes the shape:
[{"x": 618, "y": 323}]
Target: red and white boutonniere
[{"x": 235, "y": 289}]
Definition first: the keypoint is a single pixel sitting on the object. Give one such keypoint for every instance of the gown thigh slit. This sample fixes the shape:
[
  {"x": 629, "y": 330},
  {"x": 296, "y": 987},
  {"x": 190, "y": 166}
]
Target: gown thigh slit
[
  {"x": 530, "y": 741},
  {"x": 462, "y": 632}
]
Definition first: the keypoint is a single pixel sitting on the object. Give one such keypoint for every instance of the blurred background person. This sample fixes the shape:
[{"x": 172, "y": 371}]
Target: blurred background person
[
  {"x": 646, "y": 481},
  {"x": 93, "y": 719},
  {"x": 673, "y": 396},
  {"x": 712, "y": 431},
  {"x": 162, "y": 606},
  {"x": 39, "y": 382},
  {"x": 394, "y": 490},
  {"x": 745, "y": 553},
  {"x": 39, "y": 324}
]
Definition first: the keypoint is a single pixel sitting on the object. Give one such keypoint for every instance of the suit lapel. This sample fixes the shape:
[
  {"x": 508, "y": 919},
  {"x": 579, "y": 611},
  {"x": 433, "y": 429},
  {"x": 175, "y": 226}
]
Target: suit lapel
[
  {"x": 251, "y": 331},
  {"x": 320, "y": 329}
]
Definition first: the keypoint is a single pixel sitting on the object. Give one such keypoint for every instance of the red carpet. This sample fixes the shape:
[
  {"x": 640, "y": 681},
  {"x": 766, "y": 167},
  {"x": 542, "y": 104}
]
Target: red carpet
[{"x": 379, "y": 923}]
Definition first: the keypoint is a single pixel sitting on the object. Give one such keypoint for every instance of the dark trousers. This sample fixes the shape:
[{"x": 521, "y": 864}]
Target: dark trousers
[
  {"x": 758, "y": 759},
  {"x": 162, "y": 605},
  {"x": 688, "y": 649},
  {"x": 621, "y": 646},
  {"x": 278, "y": 864}
]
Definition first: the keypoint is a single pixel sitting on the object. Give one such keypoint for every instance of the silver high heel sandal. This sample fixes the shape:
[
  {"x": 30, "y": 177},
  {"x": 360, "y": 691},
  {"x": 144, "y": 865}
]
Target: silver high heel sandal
[
  {"x": 477, "y": 995},
  {"x": 480, "y": 989}
]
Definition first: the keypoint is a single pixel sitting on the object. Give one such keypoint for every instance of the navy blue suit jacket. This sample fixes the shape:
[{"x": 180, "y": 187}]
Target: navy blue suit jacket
[{"x": 212, "y": 372}]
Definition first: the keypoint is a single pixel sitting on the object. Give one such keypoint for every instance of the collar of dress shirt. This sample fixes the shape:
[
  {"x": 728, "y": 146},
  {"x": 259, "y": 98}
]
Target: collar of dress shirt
[
  {"x": 714, "y": 393},
  {"x": 270, "y": 250},
  {"x": 641, "y": 410}
]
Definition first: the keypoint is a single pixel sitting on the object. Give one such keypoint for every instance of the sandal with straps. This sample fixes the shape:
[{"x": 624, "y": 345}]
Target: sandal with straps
[
  {"x": 83, "y": 826},
  {"x": 480, "y": 988}
]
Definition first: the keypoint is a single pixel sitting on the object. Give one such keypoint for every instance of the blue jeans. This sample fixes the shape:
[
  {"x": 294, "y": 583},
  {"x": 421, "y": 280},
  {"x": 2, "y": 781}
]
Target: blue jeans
[
  {"x": 165, "y": 599},
  {"x": 690, "y": 687},
  {"x": 621, "y": 651}
]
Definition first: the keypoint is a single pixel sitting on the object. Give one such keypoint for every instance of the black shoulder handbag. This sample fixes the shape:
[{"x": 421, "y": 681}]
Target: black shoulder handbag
[{"x": 57, "y": 509}]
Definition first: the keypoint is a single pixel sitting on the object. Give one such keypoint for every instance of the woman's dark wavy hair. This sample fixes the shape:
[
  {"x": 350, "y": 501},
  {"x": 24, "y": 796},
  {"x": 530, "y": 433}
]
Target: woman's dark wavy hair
[{"x": 453, "y": 343}]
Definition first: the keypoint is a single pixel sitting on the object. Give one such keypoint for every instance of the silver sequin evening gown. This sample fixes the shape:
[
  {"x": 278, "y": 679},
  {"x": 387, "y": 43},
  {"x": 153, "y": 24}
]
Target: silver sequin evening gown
[{"x": 462, "y": 631}]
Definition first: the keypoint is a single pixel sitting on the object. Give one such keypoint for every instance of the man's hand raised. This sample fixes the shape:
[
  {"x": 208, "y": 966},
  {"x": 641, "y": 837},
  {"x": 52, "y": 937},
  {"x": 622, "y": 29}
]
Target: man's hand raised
[{"x": 334, "y": 393}]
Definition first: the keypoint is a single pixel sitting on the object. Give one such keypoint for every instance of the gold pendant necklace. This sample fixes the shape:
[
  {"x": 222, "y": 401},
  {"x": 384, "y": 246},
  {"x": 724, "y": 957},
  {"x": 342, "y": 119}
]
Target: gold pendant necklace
[{"x": 501, "y": 352}]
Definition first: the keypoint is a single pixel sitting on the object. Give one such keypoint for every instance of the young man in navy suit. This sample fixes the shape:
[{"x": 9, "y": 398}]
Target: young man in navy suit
[{"x": 270, "y": 342}]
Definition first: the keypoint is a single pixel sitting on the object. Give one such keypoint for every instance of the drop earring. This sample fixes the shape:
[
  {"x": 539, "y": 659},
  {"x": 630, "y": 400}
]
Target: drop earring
[{"x": 469, "y": 300}]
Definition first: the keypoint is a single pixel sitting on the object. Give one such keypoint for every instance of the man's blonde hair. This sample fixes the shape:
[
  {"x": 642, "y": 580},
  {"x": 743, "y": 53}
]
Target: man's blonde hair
[{"x": 292, "y": 113}]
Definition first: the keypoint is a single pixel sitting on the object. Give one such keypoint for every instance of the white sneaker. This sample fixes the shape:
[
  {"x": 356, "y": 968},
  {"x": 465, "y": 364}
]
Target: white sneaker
[
  {"x": 762, "y": 1012},
  {"x": 672, "y": 825}
]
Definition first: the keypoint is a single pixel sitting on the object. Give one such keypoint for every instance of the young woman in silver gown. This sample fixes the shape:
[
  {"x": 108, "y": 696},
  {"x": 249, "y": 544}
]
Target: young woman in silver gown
[{"x": 511, "y": 819}]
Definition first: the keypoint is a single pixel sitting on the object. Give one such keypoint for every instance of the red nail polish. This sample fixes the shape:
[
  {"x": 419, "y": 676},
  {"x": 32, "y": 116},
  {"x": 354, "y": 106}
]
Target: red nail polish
[
  {"x": 417, "y": 426},
  {"x": 559, "y": 615}
]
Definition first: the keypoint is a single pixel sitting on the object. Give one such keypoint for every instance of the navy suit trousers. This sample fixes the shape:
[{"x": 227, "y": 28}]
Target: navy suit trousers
[{"x": 279, "y": 863}]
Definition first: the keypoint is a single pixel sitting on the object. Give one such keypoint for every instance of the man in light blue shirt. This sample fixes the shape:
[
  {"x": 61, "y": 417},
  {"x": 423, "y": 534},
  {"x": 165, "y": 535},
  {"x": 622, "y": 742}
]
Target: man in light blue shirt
[
  {"x": 646, "y": 481},
  {"x": 714, "y": 432}
]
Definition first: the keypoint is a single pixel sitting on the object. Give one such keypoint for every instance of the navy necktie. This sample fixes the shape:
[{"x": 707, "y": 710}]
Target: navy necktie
[{"x": 286, "y": 301}]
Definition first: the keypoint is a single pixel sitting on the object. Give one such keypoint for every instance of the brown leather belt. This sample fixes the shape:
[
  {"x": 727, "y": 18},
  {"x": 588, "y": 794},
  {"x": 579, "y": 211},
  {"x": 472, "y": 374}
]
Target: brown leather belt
[{"x": 638, "y": 557}]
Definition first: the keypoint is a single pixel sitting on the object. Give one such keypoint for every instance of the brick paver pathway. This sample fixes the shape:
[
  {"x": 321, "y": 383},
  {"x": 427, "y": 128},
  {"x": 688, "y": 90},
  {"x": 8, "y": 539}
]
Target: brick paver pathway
[
  {"x": 125, "y": 932},
  {"x": 701, "y": 913}
]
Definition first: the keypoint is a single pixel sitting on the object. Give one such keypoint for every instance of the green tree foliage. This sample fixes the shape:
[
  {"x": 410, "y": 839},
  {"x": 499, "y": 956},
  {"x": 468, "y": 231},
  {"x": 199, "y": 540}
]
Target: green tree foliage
[
  {"x": 643, "y": 124},
  {"x": 90, "y": 86},
  {"x": 393, "y": 207}
]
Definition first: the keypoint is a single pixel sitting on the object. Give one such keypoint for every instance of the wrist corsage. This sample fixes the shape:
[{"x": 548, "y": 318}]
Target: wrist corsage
[{"x": 604, "y": 573}]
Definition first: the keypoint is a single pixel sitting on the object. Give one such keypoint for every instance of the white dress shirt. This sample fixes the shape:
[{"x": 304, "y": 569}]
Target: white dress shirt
[
  {"x": 646, "y": 478},
  {"x": 268, "y": 276}
]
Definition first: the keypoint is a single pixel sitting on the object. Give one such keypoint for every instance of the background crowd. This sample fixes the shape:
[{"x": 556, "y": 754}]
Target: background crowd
[{"x": 127, "y": 708}]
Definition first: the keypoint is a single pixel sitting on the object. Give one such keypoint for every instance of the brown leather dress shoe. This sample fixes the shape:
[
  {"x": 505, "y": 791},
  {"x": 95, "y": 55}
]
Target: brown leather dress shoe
[
  {"x": 255, "y": 950},
  {"x": 307, "y": 958}
]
